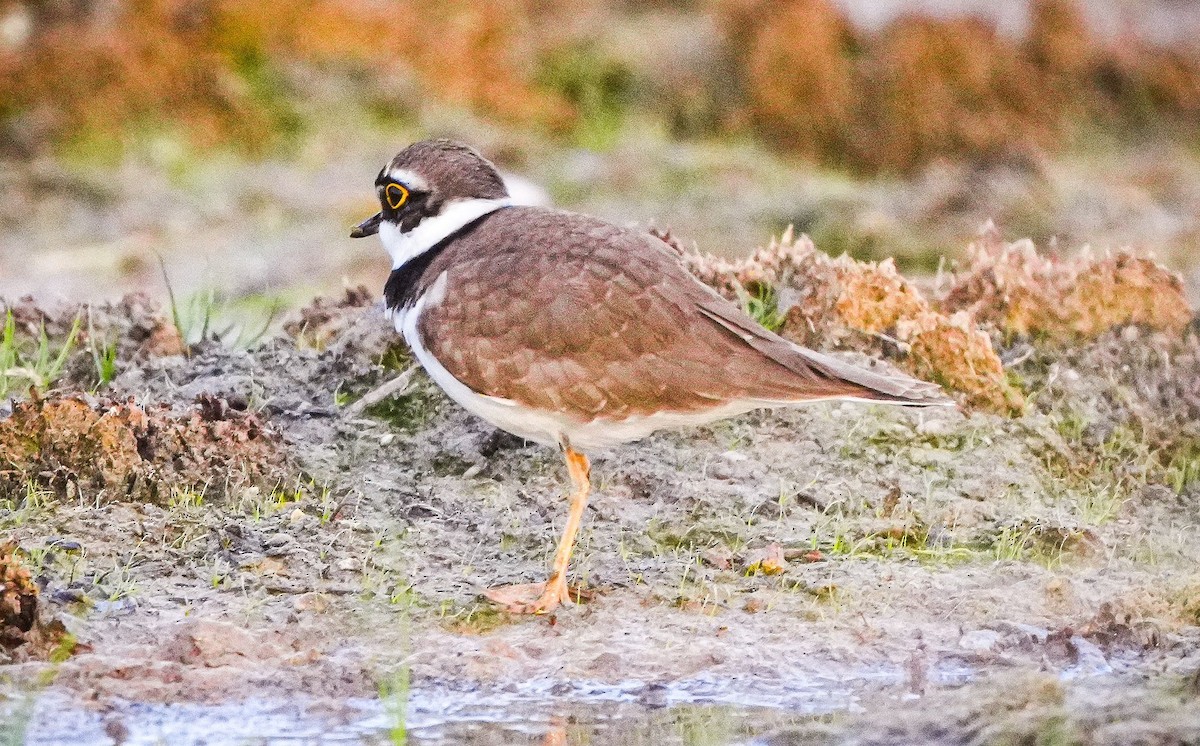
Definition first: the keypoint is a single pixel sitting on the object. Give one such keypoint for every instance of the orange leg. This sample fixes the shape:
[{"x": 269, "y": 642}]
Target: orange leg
[{"x": 542, "y": 598}]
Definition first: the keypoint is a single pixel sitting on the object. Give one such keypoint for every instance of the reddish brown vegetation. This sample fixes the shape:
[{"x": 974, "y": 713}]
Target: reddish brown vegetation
[
  {"x": 27, "y": 630},
  {"x": 136, "y": 325},
  {"x": 215, "y": 67},
  {"x": 123, "y": 451},
  {"x": 950, "y": 88},
  {"x": 924, "y": 88},
  {"x": 919, "y": 89},
  {"x": 18, "y": 598},
  {"x": 795, "y": 67}
]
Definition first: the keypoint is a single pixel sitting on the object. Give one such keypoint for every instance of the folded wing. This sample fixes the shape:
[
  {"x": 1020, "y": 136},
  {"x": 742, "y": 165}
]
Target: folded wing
[{"x": 604, "y": 323}]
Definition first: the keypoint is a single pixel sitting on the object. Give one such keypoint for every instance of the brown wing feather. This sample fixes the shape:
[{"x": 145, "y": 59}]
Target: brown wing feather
[
  {"x": 599, "y": 321},
  {"x": 894, "y": 388}
]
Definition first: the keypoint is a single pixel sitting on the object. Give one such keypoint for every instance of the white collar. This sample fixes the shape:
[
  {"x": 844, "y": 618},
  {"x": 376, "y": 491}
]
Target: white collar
[{"x": 404, "y": 247}]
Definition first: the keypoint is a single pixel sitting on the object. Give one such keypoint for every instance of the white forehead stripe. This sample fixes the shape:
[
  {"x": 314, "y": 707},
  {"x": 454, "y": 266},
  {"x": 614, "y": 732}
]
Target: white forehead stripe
[
  {"x": 410, "y": 179},
  {"x": 403, "y": 247}
]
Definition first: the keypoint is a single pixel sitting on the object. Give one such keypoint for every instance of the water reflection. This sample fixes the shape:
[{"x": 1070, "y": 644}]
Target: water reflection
[{"x": 696, "y": 712}]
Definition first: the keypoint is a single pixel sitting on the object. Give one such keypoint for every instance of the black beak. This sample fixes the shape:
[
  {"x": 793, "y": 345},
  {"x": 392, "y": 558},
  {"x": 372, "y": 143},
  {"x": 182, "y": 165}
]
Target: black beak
[{"x": 368, "y": 227}]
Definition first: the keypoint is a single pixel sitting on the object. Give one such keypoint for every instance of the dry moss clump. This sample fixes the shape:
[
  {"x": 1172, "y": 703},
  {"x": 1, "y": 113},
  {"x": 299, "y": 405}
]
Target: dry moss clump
[
  {"x": 18, "y": 598},
  {"x": 1124, "y": 289},
  {"x": 955, "y": 352},
  {"x": 122, "y": 451},
  {"x": 843, "y": 302},
  {"x": 1025, "y": 293}
]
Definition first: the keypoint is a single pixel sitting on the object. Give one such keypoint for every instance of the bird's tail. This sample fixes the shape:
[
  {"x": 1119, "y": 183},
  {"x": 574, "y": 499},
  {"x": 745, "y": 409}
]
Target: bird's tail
[{"x": 891, "y": 388}]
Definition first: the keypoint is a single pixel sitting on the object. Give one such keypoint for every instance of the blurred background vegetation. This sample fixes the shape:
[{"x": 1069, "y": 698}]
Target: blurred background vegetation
[{"x": 238, "y": 139}]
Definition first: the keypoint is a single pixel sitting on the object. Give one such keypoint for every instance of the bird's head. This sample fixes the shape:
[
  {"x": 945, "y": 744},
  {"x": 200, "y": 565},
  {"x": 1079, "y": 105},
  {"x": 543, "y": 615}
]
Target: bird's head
[{"x": 427, "y": 192}]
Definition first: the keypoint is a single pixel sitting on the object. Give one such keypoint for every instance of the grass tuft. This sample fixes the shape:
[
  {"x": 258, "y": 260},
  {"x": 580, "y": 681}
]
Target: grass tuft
[
  {"x": 240, "y": 324},
  {"x": 763, "y": 307},
  {"x": 38, "y": 365}
]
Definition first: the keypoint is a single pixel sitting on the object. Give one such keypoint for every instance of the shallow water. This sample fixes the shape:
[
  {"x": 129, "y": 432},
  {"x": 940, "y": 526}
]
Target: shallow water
[{"x": 693, "y": 712}]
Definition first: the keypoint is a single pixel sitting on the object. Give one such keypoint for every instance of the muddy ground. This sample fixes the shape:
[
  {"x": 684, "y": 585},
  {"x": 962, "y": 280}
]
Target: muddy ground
[{"x": 838, "y": 573}]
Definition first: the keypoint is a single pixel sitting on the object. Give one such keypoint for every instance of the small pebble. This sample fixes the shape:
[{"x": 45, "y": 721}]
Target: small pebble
[
  {"x": 719, "y": 471},
  {"x": 278, "y": 540},
  {"x": 980, "y": 640},
  {"x": 938, "y": 428},
  {"x": 116, "y": 729},
  {"x": 314, "y": 602}
]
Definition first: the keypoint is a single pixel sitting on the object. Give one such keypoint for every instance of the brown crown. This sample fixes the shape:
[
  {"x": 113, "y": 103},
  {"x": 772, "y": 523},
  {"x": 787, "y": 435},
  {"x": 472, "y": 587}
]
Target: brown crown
[{"x": 452, "y": 169}]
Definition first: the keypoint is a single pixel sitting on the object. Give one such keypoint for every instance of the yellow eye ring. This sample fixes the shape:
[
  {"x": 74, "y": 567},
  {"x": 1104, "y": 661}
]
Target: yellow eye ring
[{"x": 395, "y": 195}]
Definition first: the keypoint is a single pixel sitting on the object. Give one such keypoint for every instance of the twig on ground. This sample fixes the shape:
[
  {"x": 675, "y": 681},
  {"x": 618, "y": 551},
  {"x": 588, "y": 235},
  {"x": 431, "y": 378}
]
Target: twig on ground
[{"x": 394, "y": 387}]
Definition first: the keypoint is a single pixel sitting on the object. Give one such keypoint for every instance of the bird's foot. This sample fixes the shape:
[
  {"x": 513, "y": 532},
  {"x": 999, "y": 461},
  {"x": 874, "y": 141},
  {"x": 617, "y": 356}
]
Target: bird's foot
[{"x": 530, "y": 598}]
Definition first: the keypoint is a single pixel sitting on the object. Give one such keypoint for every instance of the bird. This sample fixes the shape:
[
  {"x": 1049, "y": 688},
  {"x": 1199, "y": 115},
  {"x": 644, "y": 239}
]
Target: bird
[{"x": 576, "y": 333}]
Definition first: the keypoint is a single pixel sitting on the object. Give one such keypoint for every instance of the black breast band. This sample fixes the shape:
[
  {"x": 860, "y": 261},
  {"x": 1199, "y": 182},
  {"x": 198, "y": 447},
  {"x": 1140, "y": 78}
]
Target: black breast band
[{"x": 404, "y": 284}]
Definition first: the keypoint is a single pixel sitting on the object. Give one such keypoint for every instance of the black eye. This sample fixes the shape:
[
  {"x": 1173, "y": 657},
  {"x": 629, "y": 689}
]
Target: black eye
[{"x": 395, "y": 195}]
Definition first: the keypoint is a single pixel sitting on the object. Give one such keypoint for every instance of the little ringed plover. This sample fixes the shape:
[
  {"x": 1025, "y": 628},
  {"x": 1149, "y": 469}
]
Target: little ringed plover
[{"x": 570, "y": 331}]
